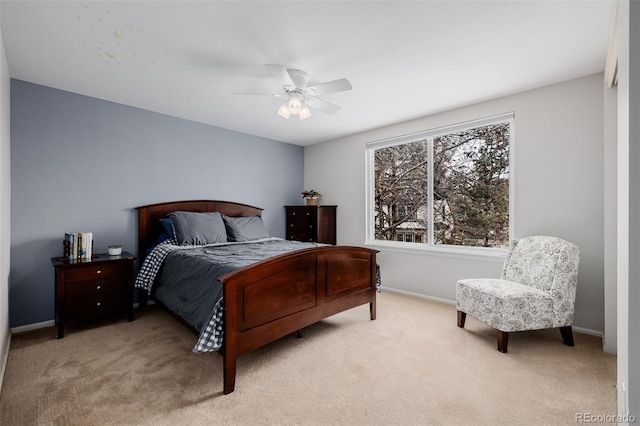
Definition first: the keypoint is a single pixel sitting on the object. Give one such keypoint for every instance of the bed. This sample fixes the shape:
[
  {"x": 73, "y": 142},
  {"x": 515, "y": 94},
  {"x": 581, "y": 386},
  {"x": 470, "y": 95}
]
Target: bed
[{"x": 261, "y": 301}]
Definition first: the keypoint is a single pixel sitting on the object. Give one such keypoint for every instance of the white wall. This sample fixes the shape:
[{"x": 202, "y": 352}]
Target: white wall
[
  {"x": 628, "y": 209},
  {"x": 610, "y": 159},
  {"x": 558, "y": 177},
  {"x": 5, "y": 208},
  {"x": 634, "y": 213}
]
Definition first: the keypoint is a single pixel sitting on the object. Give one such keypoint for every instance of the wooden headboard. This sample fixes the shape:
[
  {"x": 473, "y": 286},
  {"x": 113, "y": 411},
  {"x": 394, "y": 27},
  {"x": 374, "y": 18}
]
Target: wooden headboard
[{"x": 149, "y": 227}]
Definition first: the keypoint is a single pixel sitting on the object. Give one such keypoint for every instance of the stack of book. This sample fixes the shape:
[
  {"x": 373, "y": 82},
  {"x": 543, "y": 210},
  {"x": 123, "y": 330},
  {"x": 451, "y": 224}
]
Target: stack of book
[{"x": 78, "y": 245}]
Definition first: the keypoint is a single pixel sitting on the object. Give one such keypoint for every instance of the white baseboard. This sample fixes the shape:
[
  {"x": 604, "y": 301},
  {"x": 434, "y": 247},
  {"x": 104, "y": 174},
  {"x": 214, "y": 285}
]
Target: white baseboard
[
  {"x": 4, "y": 359},
  {"x": 452, "y": 302},
  {"x": 30, "y": 327},
  {"x": 588, "y": 331},
  {"x": 50, "y": 323},
  {"x": 419, "y": 296}
]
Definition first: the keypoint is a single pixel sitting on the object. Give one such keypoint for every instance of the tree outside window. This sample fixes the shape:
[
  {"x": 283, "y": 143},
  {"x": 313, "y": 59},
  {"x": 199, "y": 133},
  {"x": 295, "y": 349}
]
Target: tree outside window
[{"x": 448, "y": 188}]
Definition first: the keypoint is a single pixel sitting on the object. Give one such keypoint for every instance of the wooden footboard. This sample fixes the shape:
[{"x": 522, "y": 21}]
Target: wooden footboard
[{"x": 281, "y": 295}]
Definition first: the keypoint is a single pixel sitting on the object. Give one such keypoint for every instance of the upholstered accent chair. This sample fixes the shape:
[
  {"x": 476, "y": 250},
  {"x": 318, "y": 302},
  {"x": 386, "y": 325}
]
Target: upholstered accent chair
[{"x": 537, "y": 290}]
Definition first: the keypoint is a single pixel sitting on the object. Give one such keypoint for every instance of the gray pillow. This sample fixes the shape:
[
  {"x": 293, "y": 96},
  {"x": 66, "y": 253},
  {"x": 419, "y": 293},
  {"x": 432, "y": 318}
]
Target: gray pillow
[
  {"x": 192, "y": 228},
  {"x": 245, "y": 228}
]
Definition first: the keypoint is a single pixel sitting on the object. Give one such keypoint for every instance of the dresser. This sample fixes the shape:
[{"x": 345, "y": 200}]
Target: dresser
[
  {"x": 311, "y": 223},
  {"x": 87, "y": 290}
]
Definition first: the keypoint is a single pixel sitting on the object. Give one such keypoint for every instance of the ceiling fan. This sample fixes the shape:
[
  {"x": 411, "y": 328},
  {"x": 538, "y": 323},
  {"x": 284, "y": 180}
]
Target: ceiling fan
[{"x": 300, "y": 98}]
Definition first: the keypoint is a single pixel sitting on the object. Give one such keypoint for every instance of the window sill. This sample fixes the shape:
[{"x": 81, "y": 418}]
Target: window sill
[{"x": 447, "y": 251}]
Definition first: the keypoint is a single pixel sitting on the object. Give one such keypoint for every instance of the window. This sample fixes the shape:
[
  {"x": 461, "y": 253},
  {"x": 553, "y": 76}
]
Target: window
[{"x": 443, "y": 187}]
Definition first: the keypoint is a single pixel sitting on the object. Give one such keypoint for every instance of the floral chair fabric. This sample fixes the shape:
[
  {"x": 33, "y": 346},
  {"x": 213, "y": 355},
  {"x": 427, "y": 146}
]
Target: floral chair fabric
[{"x": 537, "y": 288}]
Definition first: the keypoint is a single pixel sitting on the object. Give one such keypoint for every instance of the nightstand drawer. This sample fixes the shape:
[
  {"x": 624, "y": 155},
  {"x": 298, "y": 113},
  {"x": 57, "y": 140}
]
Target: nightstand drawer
[
  {"x": 95, "y": 307},
  {"x": 103, "y": 286},
  {"x": 92, "y": 272}
]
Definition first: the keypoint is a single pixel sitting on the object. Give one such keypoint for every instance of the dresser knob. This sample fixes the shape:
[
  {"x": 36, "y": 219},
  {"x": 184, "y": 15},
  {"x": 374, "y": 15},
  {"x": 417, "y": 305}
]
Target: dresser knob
[
  {"x": 98, "y": 271},
  {"x": 98, "y": 304},
  {"x": 98, "y": 287}
]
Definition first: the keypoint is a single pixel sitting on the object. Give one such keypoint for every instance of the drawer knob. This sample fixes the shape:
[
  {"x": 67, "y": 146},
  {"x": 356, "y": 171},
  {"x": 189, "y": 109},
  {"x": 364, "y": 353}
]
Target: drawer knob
[
  {"x": 98, "y": 287},
  {"x": 98, "y": 304},
  {"x": 98, "y": 271}
]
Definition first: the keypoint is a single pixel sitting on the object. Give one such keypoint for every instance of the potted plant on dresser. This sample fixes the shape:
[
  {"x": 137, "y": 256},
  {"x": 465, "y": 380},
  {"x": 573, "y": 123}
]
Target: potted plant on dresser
[{"x": 311, "y": 197}]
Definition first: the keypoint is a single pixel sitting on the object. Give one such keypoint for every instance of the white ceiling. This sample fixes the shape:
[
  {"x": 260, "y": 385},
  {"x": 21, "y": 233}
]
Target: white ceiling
[{"x": 405, "y": 59}]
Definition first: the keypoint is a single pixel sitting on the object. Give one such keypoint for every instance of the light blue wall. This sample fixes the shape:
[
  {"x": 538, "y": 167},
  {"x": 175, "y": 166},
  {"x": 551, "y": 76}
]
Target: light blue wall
[{"x": 83, "y": 164}]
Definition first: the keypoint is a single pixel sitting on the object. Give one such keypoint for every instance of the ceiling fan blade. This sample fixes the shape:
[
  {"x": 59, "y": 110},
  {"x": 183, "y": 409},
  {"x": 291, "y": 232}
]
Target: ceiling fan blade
[
  {"x": 330, "y": 87},
  {"x": 281, "y": 75},
  {"x": 275, "y": 95},
  {"x": 322, "y": 105}
]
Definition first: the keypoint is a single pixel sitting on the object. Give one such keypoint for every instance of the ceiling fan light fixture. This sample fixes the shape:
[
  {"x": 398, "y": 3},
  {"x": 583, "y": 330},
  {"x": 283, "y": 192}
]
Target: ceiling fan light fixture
[
  {"x": 283, "y": 111},
  {"x": 295, "y": 103},
  {"x": 305, "y": 112}
]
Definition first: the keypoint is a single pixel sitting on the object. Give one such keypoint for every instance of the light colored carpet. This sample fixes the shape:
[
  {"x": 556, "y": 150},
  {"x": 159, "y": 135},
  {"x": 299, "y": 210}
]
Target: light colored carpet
[{"x": 411, "y": 366}]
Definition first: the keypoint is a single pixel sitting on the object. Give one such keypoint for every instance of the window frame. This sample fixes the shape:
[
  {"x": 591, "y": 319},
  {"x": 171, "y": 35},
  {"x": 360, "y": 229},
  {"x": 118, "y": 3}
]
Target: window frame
[{"x": 430, "y": 134}]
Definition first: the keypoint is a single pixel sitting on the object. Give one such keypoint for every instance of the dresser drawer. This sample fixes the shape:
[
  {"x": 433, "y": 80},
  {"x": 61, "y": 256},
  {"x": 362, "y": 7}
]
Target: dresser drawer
[
  {"x": 301, "y": 216},
  {"x": 300, "y": 235},
  {"x": 95, "y": 307},
  {"x": 92, "y": 272},
  {"x": 93, "y": 288}
]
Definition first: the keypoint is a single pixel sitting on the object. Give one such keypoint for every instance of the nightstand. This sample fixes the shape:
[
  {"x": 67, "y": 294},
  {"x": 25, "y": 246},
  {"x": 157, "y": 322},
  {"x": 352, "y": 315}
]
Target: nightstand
[{"x": 90, "y": 289}]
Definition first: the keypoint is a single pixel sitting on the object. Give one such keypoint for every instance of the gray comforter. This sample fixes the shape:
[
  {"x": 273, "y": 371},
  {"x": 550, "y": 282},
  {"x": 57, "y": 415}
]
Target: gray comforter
[{"x": 188, "y": 280}]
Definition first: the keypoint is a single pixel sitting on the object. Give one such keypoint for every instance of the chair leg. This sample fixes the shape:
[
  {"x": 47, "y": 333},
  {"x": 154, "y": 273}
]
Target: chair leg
[
  {"x": 503, "y": 340},
  {"x": 567, "y": 335},
  {"x": 461, "y": 317}
]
